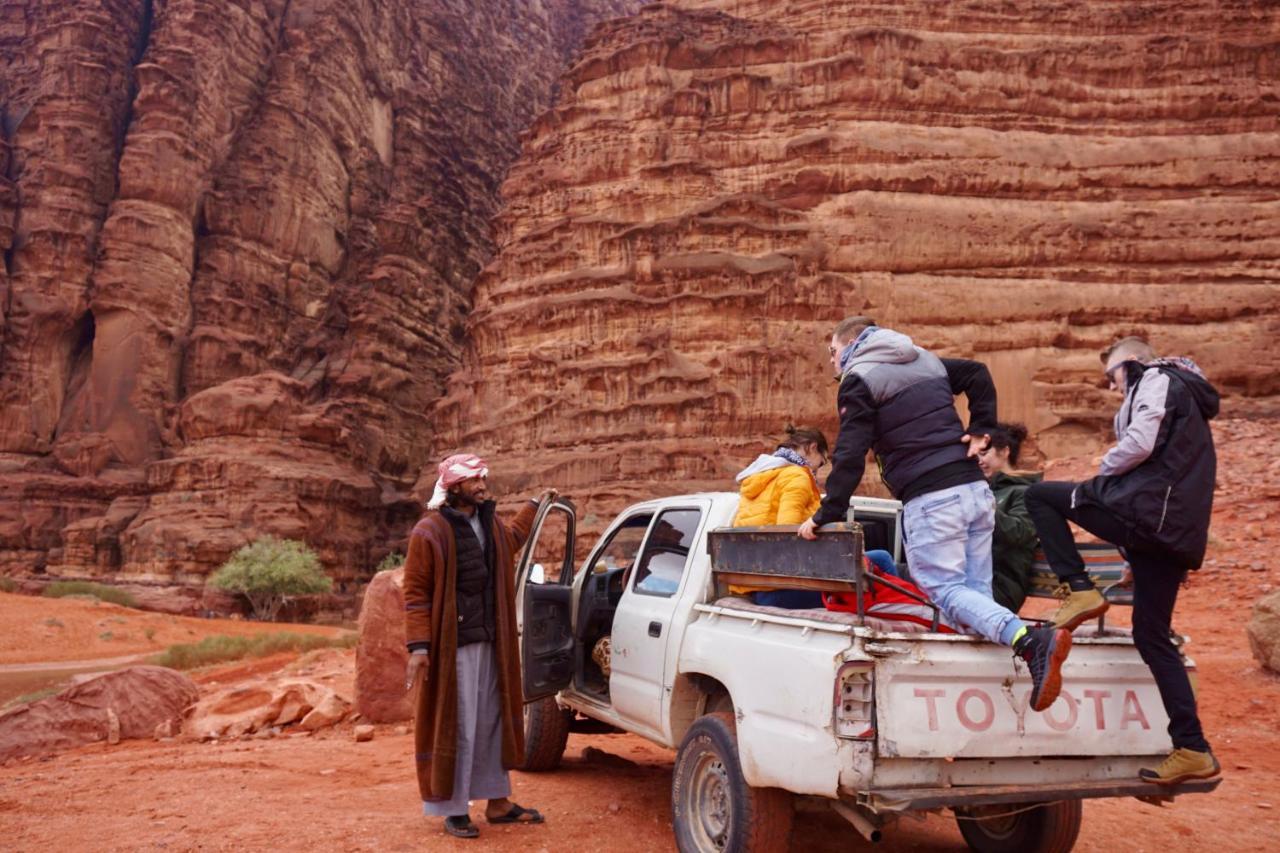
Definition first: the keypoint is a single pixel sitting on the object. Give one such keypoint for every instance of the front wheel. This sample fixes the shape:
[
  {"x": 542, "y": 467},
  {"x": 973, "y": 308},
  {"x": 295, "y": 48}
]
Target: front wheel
[
  {"x": 546, "y": 731},
  {"x": 1015, "y": 828},
  {"x": 712, "y": 806}
]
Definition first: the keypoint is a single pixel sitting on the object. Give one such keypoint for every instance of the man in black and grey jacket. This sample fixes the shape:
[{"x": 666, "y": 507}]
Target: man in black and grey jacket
[
  {"x": 1152, "y": 497},
  {"x": 899, "y": 400}
]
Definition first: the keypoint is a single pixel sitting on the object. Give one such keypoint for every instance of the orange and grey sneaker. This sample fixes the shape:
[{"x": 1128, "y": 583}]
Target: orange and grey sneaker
[
  {"x": 1044, "y": 649},
  {"x": 1078, "y": 607},
  {"x": 1182, "y": 765}
]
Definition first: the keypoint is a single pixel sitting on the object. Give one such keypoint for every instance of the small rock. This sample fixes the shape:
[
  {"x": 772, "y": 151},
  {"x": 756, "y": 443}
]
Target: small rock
[
  {"x": 614, "y": 808},
  {"x": 165, "y": 729},
  {"x": 364, "y": 733},
  {"x": 113, "y": 727},
  {"x": 328, "y": 772},
  {"x": 1264, "y": 805},
  {"x": 402, "y": 730}
]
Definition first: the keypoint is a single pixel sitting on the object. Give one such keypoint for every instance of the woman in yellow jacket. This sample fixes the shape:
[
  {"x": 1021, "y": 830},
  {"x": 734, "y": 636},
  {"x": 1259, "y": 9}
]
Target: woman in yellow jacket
[{"x": 780, "y": 488}]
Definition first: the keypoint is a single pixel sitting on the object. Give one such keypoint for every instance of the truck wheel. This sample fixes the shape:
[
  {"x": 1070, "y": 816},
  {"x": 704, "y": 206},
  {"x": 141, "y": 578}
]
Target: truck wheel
[
  {"x": 546, "y": 730},
  {"x": 1049, "y": 828},
  {"x": 712, "y": 806}
]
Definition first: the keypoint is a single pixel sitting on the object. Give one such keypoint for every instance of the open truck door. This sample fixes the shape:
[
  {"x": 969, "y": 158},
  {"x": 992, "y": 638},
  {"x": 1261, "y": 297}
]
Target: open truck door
[{"x": 544, "y": 592}]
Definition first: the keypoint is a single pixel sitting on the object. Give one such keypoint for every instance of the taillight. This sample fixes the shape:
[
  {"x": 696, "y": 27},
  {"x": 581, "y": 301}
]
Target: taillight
[{"x": 855, "y": 701}]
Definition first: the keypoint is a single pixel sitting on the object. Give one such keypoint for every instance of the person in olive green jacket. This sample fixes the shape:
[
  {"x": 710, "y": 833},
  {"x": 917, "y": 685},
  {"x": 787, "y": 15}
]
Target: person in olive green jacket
[{"x": 1014, "y": 543}]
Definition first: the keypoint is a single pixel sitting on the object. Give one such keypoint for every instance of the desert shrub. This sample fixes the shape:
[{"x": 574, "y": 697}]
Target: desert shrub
[
  {"x": 391, "y": 562},
  {"x": 269, "y": 571},
  {"x": 221, "y": 649},
  {"x": 11, "y": 585},
  {"x": 102, "y": 592}
]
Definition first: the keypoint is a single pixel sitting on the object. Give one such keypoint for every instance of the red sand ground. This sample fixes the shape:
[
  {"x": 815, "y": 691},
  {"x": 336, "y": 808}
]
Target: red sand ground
[{"x": 326, "y": 792}]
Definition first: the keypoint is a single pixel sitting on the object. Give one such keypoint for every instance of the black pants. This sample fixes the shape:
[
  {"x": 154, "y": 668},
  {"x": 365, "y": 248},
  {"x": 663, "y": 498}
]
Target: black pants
[{"x": 1156, "y": 579}]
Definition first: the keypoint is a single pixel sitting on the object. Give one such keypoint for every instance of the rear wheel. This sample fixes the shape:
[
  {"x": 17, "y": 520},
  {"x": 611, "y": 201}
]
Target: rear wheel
[
  {"x": 546, "y": 731},
  {"x": 1047, "y": 828},
  {"x": 712, "y": 806}
]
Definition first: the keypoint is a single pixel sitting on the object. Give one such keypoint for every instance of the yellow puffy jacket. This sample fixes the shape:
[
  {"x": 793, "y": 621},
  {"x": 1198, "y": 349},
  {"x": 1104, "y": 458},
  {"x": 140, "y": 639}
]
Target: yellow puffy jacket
[{"x": 774, "y": 491}]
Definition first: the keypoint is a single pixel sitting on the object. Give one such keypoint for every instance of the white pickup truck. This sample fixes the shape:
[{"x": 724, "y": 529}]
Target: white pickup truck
[{"x": 767, "y": 707}]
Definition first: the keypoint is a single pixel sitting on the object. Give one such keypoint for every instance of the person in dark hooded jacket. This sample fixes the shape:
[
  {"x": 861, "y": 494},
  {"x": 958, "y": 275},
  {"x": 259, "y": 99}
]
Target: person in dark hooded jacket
[
  {"x": 1014, "y": 543},
  {"x": 1152, "y": 498}
]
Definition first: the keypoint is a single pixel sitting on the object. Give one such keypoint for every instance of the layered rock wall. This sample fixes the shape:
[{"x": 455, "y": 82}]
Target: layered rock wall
[
  {"x": 239, "y": 240},
  {"x": 720, "y": 182}
]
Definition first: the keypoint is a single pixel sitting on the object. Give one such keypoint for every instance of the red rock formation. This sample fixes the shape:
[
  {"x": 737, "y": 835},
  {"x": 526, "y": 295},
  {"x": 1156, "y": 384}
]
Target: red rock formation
[
  {"x": 1018, "y": 182},
  {"x": 381, "y": 655},
  {"x": 129, "y": 703},
  {"x": 231, "y": 299}
]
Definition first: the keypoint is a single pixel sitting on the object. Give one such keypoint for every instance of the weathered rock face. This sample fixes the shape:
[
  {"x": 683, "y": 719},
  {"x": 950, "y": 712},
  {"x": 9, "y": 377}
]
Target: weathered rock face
[
  {"x": 264, "y": 706},
  {"x": 1264, "y": 631},
  {"x": 717, "y": 186},
  {"x": 230, "y": 300},
  {"x": 381, "y": 656},
  {"x": 129, "y": 703}
]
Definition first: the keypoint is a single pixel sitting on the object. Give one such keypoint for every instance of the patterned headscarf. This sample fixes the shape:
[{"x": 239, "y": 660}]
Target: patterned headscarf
[{"x": 455, "y": 469}]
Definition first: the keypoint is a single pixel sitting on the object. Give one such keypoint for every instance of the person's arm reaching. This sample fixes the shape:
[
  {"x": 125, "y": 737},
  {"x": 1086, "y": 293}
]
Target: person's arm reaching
[
  {"x": 1139, "y": 438},
  {"x": 973, "y": 380},
  {"x": 857, "y": 432}
]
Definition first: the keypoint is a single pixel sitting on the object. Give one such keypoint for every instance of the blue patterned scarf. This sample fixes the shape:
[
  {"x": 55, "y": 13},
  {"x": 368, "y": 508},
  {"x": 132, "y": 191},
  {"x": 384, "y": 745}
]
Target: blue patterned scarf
[{"x": 791, "y": 456}]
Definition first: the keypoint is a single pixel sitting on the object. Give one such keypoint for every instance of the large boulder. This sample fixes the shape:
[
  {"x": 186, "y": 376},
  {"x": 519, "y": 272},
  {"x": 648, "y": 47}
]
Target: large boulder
[
  {"x": 381, "y": 656},
  {"x": 128, "y": 703},
  {"x": 249, "y": 708},
  {"x": 1264, "y": 631}
]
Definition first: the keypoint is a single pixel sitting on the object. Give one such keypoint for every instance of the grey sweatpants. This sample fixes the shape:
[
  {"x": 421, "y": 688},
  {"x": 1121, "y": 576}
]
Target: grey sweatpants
[{"x": 478, "y": 774}]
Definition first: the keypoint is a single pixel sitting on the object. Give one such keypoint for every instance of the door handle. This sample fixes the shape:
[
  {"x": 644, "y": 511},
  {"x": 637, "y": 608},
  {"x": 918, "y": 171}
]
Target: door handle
[{"x": 655, "y": 629}]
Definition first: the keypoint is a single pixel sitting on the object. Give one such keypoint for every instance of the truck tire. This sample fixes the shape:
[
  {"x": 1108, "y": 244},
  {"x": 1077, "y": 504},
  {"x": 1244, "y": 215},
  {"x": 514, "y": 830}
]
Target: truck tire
[
  {"x": 546, "y": 730},
  {"x": 712, "y": 807},
  {"x": 1049, "y": 828}
]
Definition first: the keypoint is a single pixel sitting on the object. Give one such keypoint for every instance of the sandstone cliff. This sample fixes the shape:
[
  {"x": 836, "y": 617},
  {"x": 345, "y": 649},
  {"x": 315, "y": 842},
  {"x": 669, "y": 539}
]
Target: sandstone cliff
[
  {"x": 719, "y": 182},
  {"x": 239, "y": 241}
]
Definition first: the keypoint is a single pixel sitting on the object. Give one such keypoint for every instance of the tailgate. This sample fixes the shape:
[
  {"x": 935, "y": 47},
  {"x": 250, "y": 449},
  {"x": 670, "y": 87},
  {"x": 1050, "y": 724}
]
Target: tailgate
[{"x": 945, "y": 696}]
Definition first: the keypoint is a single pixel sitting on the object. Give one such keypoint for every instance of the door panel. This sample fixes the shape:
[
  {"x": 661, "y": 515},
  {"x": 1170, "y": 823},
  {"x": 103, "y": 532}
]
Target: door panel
[
  {"x": 642, "y": 626},
  {"x": 544, "y": 607}
]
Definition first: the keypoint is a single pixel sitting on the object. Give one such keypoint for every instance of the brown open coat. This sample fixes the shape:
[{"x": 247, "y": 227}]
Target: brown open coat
[{"x": 431, "y": 615}]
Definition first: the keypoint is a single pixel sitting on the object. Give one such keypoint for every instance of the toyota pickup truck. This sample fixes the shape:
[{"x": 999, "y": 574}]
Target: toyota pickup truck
[{"x": 771, "y": 709}]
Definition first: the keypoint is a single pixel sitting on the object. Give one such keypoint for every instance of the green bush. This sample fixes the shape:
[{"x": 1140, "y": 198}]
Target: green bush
[
  {"x": 269, "y": 571},
  {"x": 62, "y": 589},
  {"x": 221, "y": 649},
  {"x": 391, "y": 562},
  {"x": 8, "y": 585}
]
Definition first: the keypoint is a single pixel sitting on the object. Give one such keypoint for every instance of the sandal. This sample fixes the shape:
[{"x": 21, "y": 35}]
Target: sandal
[
  {"x": 460, "y": 826},
  {"x": 518, "y": 814}
]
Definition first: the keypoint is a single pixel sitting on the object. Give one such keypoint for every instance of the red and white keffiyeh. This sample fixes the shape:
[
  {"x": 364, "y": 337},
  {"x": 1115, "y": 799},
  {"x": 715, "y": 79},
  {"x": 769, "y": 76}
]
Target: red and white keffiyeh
[{"x": 455, "y": 469}]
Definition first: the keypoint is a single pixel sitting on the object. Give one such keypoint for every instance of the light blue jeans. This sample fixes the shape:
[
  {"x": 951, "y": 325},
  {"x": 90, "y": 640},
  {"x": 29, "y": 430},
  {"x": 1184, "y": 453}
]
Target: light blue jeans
[{"x": 949, "y": 555}]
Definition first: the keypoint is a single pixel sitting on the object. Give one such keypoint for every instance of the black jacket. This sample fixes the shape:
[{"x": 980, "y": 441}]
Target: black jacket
[
  {"x": 1159, "y": 477},
  {"x": 476, "y": 606},
  {"x": 899, "y": 400}
]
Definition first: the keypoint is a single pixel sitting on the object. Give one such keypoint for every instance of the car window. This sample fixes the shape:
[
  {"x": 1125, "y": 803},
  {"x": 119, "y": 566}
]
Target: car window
[
  {"x": 667, "y": 551},
  {"x": 550, "y": 550},
  {"x": 623, "y": 545}
]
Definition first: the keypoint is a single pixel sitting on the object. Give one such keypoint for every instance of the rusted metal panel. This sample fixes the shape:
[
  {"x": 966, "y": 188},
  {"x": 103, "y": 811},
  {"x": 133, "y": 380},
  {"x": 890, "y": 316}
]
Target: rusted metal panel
[
  {"x": 759, "y": 554},
  {"x": 908, "y": 799}
]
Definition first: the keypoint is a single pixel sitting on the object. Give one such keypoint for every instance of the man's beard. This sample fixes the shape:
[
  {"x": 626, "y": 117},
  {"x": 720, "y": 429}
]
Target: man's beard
[{"x": 459, "y": 499}]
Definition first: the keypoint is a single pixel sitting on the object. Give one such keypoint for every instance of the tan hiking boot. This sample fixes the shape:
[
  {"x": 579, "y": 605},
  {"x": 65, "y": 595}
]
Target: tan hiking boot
[
  {"x": 1078, "y": 607},
  {"x": 1182, "y": 765}
]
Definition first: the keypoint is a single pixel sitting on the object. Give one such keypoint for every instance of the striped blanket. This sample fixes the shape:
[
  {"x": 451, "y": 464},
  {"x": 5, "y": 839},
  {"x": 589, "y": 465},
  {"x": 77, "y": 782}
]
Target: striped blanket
[{"x": 1103, "y": 562}]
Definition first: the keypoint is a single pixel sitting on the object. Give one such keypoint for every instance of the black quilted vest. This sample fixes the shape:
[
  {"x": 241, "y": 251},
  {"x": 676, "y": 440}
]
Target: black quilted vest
[{"x": 475, "y": 576}]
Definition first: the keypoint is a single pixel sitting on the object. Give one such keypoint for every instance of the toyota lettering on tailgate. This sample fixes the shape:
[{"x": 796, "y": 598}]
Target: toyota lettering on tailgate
[{"x": 978, "y": 710}]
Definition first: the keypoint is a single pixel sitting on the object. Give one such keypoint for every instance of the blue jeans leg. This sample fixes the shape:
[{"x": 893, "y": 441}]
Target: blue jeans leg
[
  {"x": 883, "y": 561},
  {"x": 791, "y": 599},
  {"x": 949, "y": 553}
]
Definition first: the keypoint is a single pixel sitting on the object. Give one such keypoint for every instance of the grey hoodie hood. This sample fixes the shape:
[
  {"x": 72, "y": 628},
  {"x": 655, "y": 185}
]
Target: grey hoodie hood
[
  {"x": 763, "y": 462},
  {"x": 883, "y": 346}
]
